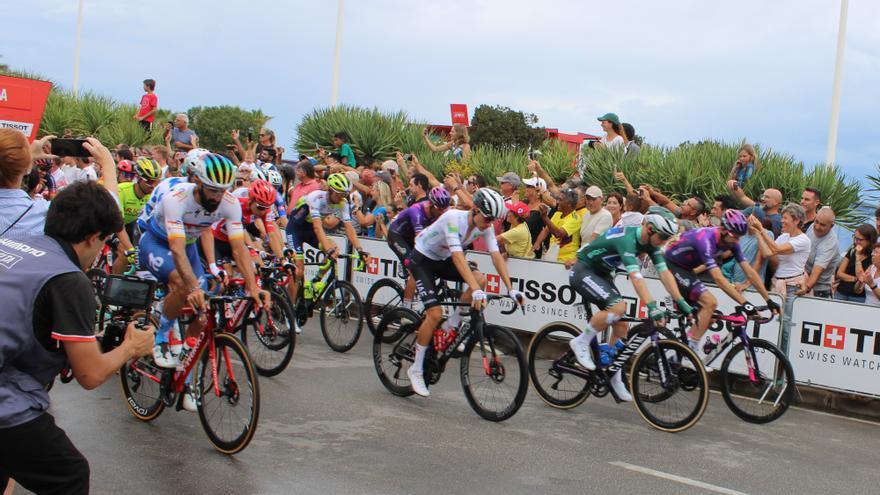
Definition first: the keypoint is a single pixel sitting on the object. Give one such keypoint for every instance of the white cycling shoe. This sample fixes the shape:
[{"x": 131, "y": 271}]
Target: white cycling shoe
[
  {"x": 580, "y": 345},
  {"x": 163, "y": 357},
  {"x": 620, "y": 388},
  {"x": 189, "y": 400},
  {"x": 417, "y": 380}
]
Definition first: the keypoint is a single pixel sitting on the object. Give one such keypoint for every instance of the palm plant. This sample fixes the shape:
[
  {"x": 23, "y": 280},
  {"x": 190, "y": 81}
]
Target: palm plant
[{"x": 94, "y": 113}]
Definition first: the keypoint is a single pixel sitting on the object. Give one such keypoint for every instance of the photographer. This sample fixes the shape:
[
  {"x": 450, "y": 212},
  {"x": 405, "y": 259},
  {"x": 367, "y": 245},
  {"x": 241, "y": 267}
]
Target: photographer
[{"x": 49, "y": 321}]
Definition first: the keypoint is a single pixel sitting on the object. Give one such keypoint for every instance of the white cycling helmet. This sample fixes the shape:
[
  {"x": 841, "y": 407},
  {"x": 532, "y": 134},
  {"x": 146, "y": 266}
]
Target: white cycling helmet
[
  {"x": 662, "y": 221},
  {"x": 490, "y": 203},
  {"x": 257, "y": 174},
  {"x": 274, "y": 177},
  {"x": 189, "y": 162}
]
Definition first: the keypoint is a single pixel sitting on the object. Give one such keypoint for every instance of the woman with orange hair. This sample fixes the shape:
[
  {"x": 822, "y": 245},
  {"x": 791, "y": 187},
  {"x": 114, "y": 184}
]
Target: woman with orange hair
[{"x": 19, "y": 214}]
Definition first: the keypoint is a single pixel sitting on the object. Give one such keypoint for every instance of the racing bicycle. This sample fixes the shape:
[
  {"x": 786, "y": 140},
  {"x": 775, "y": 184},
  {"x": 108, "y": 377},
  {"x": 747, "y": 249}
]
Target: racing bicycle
[{"x": 492, "y": 367}]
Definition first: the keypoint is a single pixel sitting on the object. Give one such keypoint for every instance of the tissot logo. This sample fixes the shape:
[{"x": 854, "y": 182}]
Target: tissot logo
[
  {"x": 836, "y": 337},
  {"x": 545, "y": 291},
  {"x": 493, "y": 283},
  {"x": 373, "y": 266},
  {"x": 381, "y": 267}
]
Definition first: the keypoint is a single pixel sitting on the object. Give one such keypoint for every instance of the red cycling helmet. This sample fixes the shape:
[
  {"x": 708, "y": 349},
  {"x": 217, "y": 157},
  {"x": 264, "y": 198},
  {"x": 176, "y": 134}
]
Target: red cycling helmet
[
  {"x": 262, "y": 192},
  {"x": 125, "y": 166}
]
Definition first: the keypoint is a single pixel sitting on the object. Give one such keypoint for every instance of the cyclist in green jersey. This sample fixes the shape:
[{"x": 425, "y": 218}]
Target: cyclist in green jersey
[
  {"x": 132, "y": 198},
  {"x": 593, "y": 278}
]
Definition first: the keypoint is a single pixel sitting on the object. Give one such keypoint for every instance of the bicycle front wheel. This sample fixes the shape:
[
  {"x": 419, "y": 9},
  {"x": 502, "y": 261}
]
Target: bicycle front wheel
[
  {"x": 229, "y": 407},
  {"x": 140, "y": 385},
  {"x": 392, "y": 359},
  {"x": 669, "y": 386},
  {"x": 268, "y": 336},
  {"x": 494, "y": 374},
  {"x": 758, "y": 392},
  {"x": 382, "y": 298},
  {"x": 549, "y": 347},
  {"x": 342, "y": 316}
]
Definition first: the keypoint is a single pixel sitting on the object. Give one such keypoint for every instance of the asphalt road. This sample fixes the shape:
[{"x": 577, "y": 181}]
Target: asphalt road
[{"x": 328, "y": 426}]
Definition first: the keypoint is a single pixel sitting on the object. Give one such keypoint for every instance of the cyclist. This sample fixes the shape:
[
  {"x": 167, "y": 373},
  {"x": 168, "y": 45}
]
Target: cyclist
[
  {"x": 168, "y": 250},
  {"x": 305, "y": 225},
  {"x": 132, "y": 198},
  {"x": 187, "y": 168},
  {"x": 439, "y": 253},
  {"x": 257, "y": 219},
  {"x": 697, "y": 251},
  {"x": 410, "y": 223},
  {"x": 124, "y": 171},
  {"x": 593, "y": 278}
]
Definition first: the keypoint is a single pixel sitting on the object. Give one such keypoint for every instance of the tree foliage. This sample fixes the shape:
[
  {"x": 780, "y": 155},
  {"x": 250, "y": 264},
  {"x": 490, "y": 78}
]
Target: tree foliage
[
  {"x": 503, "y": 128},
  {"x": 213, "y": 125}
]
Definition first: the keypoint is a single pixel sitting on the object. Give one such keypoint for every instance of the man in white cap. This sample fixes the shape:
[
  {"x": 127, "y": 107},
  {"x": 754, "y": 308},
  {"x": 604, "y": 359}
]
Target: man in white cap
[
  {"x": 509, "y": 186},
  {"x": 598, "y": 220}
]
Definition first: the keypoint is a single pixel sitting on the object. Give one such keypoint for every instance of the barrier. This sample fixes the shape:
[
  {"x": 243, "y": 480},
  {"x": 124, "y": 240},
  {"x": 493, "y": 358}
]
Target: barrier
[
  {"x": 836, "y": 345},
  {"x": 311, "y": 254},
  {"x": 383, "y": 264}
]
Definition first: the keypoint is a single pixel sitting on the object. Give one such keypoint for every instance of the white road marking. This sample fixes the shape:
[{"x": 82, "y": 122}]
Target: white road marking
[{"x": 676, "y": 478}]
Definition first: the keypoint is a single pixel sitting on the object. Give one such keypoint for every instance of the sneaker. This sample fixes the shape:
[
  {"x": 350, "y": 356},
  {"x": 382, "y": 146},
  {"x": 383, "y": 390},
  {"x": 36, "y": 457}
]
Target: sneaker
[
  {"x": 162, "y": 356},
  {"x": 619, "y": 387},
  {"x": 582, "y": 352},
  {"x": 417, "y": 379},
  {"x": 189, "y": 401}
]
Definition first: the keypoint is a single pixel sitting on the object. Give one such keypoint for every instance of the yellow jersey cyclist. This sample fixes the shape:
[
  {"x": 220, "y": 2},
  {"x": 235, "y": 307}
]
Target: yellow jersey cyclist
[
  {"x": 593, "y": 278},
  {"x": 132, "y": 198},
  {"x": 168, "y": 247},
  {"x": 305, "y": 225},
  {"x": 439, "y": 254}
]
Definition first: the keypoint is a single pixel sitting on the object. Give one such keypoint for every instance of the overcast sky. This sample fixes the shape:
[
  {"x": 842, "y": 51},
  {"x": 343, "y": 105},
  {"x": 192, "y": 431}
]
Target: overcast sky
[{"x": 677, "y": 70}]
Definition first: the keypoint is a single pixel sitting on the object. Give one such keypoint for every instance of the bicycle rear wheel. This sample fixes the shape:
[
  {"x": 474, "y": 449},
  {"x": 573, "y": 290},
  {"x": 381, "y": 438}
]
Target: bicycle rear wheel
[
  {"x": 757, "y": 396},
  {"x": 230, "y": 417},
  {"x": 671, "y": 370},
  {"x": 342, "y": 316},
  {"x": 555, "y": 387},
  {"x": 494, "y": 374},
  {"x": 143, "y": 394},
  {"x": 393, "y": 358},
  {"x": 268, "y": 336},
  {"x": 382, "y": 298}
]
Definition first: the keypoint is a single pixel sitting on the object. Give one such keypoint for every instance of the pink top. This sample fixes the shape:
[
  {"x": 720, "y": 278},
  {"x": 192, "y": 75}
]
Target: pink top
[{"x": 300, "y": 190}]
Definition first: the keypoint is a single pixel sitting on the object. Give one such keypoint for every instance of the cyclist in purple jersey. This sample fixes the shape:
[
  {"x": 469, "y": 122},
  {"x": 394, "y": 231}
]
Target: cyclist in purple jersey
[
  {"x": 697, "y": 251},
  {"x": 407, "y": 225}
]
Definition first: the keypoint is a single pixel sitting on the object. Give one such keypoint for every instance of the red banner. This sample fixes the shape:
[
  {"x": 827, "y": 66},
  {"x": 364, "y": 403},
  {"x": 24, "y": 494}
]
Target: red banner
[
  {"x": 22, "y": 102},
  {"x": 459, "y": 114}
]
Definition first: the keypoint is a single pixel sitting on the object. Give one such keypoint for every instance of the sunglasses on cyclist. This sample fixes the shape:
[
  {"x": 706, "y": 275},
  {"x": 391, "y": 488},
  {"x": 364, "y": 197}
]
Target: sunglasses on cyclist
[{"x": 262, "y": 208}]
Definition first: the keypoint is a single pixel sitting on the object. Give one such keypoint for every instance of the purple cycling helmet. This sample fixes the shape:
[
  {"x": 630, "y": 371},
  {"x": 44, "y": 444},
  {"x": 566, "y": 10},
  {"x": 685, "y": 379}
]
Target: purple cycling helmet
[
  {"x": 735, "y": 222},
  {"x": 439, "y": 197}
]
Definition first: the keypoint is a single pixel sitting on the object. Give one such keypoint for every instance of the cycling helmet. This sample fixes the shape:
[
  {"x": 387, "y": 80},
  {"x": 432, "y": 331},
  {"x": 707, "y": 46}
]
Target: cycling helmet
[
  {"x": 124, "y": 166},
  {"x": 274, "y": 177},
  {"x": 490, "y": 203},
  {"x": 662, "y": 221},
  {"x": 147, "y": 169},
  {"x": 262, "y": 192},
  {"x": 735, "y": 222},
  {"x": 439, "y": 197},
  {"x": 339, "y": 183},
  {"x": 214, "y": 170},
  {"x": 257, "y": 174},
  {"x": 189, "y": 161}
]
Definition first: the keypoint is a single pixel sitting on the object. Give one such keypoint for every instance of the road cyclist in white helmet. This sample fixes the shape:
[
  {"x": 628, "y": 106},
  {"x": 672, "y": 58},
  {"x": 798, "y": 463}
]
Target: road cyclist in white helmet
[
  {"x": 439, "y": 254},
  {"x": 168, "y": 249},
  {"x": 592, "y": 277}
]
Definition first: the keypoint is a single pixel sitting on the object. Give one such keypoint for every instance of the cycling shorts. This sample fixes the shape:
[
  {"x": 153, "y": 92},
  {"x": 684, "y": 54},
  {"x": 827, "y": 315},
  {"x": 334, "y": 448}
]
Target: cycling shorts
[
  {"x": 426, "y": 271},
  {"x": 594, "y": 288},
  {"x": 155, "y": 257},
  {"x": 402, "y": 248},
  {"x": 689, "y": 283},
  {"x": 297, "y": 234}
]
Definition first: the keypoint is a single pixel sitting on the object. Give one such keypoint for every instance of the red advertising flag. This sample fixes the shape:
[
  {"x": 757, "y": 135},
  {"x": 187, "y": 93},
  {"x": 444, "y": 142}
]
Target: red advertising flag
[
  {"x": 459, "y": 114},
  {"x": 22, "y": 102}
]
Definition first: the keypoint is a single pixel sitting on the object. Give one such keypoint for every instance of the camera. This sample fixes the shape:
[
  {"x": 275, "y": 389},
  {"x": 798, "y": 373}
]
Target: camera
[{"x": 408, "y": 157}]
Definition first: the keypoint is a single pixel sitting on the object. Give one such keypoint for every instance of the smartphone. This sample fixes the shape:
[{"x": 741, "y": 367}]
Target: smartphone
[{"x": 69, "y": 147}]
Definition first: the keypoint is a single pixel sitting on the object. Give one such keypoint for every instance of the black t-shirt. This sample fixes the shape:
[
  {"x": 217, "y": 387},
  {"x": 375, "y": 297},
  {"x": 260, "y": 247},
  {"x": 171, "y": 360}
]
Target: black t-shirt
[
  {"x": 849, "y": 288},
  {"x": 535, "y": 225},
  {"x": 65, "y": 308}
]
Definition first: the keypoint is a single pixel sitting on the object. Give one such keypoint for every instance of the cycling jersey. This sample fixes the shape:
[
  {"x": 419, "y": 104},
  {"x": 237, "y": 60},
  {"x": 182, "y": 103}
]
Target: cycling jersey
[
  {"x": 619, "y": 245},
  {"x": 158, "y": 193},
  {"x": 411, "y": 221},
  {"x": 700, "y": 247},
  {"x": 247, "y": 219},
  {"x": 450, "y": 233},
  {"x": 179, "y": 215},
  {"x": 130, "y": 203},
  {"x": 316, "y": 205}
]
